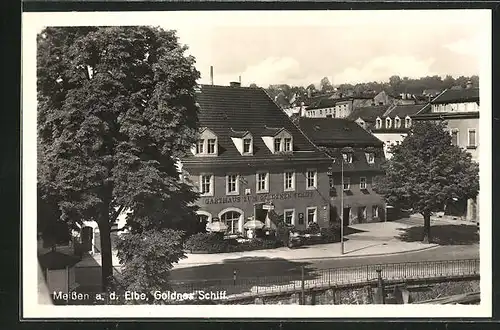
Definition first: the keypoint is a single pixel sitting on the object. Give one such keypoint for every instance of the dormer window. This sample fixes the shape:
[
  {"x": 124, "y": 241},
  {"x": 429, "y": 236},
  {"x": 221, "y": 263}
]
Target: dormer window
[
  {"x": 206, "y": 144},
  {"x": 277, "y": 145},
  {"x": 247, "y": 145},
  {"x": 211, "y": 146},
  {"x": 388, "y": 123},
  {"x": 347, "y": 157},
  {"x": 407, "y": 122},
  {"x": 288, "y": 144},
  {"x": 277, "y": 139},
  {"x": 370, "y": 157},
  {"x": 378, "y": 123},
  {"x": 200, "y": 147},
  {"x": 397, "y": 122}
]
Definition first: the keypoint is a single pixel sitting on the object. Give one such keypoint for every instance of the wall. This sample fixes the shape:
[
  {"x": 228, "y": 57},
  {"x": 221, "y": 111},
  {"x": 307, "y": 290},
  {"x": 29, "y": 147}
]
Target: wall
[
  {"x": 364, "y": 294},
  {"x": 356, "y": 197},
  {"x": 463, "y": 125},
  {"x": 456, "y": 107},
  {"x": 299, "y": 199},
  {"x": 393, "y": 138}
]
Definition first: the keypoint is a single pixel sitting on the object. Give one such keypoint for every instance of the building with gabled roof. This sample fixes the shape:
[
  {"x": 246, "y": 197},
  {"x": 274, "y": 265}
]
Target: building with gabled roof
[
  {"x": 251, "y": 154},
  {"x": 356, "y": 154},
  {"x": 393, "y": 125}
]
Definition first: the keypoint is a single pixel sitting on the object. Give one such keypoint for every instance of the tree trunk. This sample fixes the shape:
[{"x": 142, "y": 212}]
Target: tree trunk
[
  {"x": 106, "y": 256},
  {"x": 427, "y": 228}
]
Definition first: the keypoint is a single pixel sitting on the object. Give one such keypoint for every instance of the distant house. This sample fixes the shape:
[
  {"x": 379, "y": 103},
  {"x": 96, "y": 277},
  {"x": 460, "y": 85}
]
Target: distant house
[
  {"x": 393, "y": 126},
  {"x": 332, "y": 107},
  {"x": 361, "y": 154},
  {"x": 431, "y": 92},
  {"x": 459, "y": 108},
  {"x": 366, "y": 116}
]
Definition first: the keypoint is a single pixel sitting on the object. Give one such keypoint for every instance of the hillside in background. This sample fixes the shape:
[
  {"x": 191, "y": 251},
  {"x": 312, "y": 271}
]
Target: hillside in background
[{"x": 284, "y": 94}]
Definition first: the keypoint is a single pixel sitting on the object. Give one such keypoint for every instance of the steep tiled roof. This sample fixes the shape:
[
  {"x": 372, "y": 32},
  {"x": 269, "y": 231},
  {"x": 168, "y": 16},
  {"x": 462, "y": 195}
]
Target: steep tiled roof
[
  {"x": 402, "y": 111},
  {"x": 336, "y": 132},
  {"x": 368, "y": 114},
  {"x": 323, "y": 103},
  {"x": 225, "y": 110},
  {"x": 458, "y": 95}
]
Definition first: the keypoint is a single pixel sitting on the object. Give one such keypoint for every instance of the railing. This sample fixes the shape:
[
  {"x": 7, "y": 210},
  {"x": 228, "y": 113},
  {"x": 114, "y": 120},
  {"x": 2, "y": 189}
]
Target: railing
[{"x": 305, "y": 279}]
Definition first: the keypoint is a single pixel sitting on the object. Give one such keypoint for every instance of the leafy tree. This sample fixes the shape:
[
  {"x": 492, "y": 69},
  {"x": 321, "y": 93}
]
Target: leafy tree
[
  {"x": 253, "y": 85},
  {"x": 116, "y": 108},
  {"x": 325, "y": 86},
  {"x": 426, "y": 171}
]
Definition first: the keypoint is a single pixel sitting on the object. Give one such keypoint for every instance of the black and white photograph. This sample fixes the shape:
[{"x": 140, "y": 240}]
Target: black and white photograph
[{"x": 306, "y": 163}]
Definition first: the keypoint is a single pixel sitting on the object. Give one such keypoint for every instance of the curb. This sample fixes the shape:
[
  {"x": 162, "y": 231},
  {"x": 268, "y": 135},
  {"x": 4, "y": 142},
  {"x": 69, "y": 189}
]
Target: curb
[{"x": 346, "y": 256}]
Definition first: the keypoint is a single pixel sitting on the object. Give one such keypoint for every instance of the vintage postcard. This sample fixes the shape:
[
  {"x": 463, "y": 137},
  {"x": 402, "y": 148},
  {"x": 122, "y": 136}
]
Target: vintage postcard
[{"x": 307, "y": 163}]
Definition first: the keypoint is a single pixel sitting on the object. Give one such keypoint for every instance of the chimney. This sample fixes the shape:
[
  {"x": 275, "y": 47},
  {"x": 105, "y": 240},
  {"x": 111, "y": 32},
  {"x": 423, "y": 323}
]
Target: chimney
[
  {"x": 212, "y": 75},
  {"x": 469, "y": 84},
  {"x": 239, "y": 80},
  {"x": 234, "y": 84}
]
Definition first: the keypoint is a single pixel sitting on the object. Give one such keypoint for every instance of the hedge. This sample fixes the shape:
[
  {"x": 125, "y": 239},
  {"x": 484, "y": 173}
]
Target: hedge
[{"x": 215, "y": 243}]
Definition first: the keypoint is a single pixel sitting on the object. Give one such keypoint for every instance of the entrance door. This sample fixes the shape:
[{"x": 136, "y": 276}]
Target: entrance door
[
  {"x": 232, "y": 220},
  {"x": 347, "y": 216}
]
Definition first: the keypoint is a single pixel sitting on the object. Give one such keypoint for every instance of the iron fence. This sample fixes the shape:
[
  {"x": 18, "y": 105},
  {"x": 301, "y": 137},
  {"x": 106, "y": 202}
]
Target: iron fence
[{"x": 307, "y": 278}]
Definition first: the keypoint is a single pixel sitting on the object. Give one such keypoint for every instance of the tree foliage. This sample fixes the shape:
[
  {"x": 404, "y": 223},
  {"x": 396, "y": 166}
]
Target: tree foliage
[
  {"x": 116, "y": 108},
  {"x": 426, "y": 171}
]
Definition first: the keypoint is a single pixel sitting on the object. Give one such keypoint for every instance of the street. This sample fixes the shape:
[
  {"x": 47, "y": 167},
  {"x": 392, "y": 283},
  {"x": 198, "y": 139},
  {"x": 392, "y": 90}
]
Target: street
[{"x": 258, "y": 267}]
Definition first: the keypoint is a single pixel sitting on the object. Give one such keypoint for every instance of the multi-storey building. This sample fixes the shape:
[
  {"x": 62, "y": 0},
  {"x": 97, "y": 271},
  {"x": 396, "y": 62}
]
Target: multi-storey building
[
  {"x": 250, "y": 154},
  {"x": 356, "y": 158},
  {"x": 393, "y": 126},
  {"x": 459, "y": 108}
]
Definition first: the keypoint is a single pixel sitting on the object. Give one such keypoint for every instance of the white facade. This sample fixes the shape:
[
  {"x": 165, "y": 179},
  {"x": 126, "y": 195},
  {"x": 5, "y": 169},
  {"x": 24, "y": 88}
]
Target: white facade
[{"x": 390, "y": 139}]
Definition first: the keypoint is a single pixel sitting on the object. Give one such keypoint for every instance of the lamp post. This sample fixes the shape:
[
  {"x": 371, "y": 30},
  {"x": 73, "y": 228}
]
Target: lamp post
[{"x": 342, "y": 206}]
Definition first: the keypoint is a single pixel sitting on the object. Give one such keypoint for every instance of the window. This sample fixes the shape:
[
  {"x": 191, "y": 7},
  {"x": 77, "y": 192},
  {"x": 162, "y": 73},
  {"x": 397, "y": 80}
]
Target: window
[
  {"x": 277, "y": 144},
  {"x": 472, "y": 137},
  {"x": 378, "y": 124},
  {"x": 288, "y": 144},
  {"x": 262, "y": 182},
  {"x": 321, "y": 112},
  {"x": 211, "y": 146},
  {"x": 370, "y": 157},
  {"x": 375, "y": 211},
  {"x": 454, "y": 137},
  {"x": 362, "y": 183},
  {"x": 202, "y": 218},
  {"x": 231, "y": 219},
  {"x": 289, "y": 216},
  {"x": 331, "y": 182},
  {"x": 199, "y": 146},
  {"x": 347, "y": 184},
  {"x": 407, "y": 122},
  {"x": 206, "y": 184},
  {"x": 347, "y": 157},
  {"x": 289, "y": 179},
  {"x": 388, "y": 123},
  {"x": 310, "y": 179},
  {"x": 232, "y": 184},
  {"x": 311, "y": 215},
  {"x": 397, "y": 123},
  {"x": 247, "y": 143}
]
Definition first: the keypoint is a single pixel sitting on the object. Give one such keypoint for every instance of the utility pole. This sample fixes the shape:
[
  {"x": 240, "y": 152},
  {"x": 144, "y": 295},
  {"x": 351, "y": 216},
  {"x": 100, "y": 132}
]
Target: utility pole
[{"x": 342, "y": 205}]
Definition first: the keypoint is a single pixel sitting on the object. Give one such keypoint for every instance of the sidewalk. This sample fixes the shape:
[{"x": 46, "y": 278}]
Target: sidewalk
[
  {"x": 353, "y": 248},
  {"x": 371, "y": 240}
]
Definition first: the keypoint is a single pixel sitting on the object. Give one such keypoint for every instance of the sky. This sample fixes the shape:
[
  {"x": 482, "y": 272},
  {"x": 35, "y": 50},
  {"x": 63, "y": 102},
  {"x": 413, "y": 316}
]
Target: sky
[{"x": 346, "y": 47}]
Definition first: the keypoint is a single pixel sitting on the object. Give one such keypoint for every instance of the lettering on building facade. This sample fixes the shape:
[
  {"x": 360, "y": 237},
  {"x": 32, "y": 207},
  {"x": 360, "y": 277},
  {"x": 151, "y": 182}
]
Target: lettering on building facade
[{"x": 257, "y": 198}]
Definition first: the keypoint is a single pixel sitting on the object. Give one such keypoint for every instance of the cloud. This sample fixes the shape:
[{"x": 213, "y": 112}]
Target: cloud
[
  {"x": 382, "y": 67},
  {"x": 273, "y": 70},
  {"x": 470, "y": 46}
]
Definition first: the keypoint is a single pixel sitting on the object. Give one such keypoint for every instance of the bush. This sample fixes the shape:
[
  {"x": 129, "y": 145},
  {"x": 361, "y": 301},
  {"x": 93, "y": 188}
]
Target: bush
[
  {"x": 331, "y": 234},
  {"x": 208, "y": 242},
  {"x": 215, "y": 243}
]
